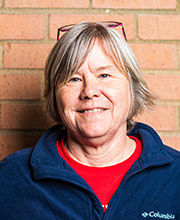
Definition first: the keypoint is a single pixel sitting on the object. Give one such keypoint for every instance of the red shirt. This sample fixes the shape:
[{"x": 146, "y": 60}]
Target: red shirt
[{"x": 103, "y": 180}]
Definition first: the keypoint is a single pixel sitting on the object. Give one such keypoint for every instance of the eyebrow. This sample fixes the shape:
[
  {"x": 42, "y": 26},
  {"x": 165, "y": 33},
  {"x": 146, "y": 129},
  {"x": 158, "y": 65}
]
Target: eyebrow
[
  {"x": 105, "y": 67},
  {"x": 101, "y": 68}
]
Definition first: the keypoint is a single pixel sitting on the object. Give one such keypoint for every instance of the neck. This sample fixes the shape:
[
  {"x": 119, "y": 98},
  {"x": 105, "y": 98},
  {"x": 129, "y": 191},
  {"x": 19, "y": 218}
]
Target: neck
[{"x": 100, "y": 152}]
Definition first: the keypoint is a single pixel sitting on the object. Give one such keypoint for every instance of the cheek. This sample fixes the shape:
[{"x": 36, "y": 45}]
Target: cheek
[
  {"x": 63, "y": 109},
  {"x": 121, "y": 94},
  {"x": 63, "y": 105},
  {"x": 66, "y": 100},
  {"x": 61, "y": 102}
]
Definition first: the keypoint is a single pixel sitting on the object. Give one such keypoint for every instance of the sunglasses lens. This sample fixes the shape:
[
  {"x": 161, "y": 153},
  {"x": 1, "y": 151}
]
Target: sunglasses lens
[
  {"x": 66, "y": 28},
  {"x": 111, "y": 24}
]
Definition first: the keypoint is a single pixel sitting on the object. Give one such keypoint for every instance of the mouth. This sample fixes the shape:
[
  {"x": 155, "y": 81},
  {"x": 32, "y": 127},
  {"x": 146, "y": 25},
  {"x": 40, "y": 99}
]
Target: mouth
[{"x": 92, "y": 110}]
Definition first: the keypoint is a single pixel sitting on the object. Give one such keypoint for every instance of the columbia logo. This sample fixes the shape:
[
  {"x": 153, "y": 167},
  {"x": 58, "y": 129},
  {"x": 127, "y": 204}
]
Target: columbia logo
[
  {"x": 153, "y": 214},
  {"x": 145, "y": 214}
]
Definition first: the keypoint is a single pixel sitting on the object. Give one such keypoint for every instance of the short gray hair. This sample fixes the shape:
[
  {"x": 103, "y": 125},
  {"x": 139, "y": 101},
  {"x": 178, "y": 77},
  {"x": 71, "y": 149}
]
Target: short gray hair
[{"x": 70, "y": 52}]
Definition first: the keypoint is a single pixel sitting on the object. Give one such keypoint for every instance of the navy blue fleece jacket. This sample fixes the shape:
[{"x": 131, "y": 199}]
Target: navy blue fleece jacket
[{"x": 36, "y": 183}]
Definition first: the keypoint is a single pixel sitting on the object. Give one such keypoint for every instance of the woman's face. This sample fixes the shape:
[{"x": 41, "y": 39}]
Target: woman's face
[{"x": 95, "y": 101}]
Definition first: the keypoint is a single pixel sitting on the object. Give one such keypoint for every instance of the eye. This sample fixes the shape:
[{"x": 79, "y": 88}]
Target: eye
[
  {"x": 104, "y": 75},
  {"x": 74, "y": 79}
]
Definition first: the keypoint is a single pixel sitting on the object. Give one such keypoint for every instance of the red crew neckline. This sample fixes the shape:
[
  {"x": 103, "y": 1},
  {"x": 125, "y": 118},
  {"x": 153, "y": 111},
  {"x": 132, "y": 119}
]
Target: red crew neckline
[{"x": 84, "y": 168}]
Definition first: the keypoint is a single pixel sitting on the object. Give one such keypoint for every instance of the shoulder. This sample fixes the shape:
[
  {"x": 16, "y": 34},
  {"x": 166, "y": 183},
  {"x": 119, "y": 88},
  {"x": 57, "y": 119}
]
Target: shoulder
[
  {"x": 174, "y": 154},
  {"x": 15, "y": 183},
  {"x": 15, "y": 163},
  {"x": 20, "y": 154},
  {"x": 171, "y": 169},
  {"x": 14, "y": 171},
  {"x": 149, "y": 135}
]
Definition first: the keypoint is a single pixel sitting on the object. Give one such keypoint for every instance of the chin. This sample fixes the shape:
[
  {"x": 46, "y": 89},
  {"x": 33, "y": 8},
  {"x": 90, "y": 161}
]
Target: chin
[{"x": 94, "y": 132}]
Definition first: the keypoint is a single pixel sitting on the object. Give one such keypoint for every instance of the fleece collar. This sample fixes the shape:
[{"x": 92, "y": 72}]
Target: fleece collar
[
  {"x": 47, "y": 163},
  {"x": 154, "y": 152}
]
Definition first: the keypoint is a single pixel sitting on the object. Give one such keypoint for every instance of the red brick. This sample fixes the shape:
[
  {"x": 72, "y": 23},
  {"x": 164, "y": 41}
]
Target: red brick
[
  {"x": 46, "y": 4},
  {"x": 21, "y": 26},
  {"x": 165, "y": 86},
  {"x": 1, "y": 57},
  {"x": 24, "y": 116},
  {"x": 26, "y": 55},
  {"x": 155, "y": 56},
  {"x": 58, "y": 20},
  {"x": 19, "y": 86},
  {"x": 9, "y": 143},
  {"x": 164, "y": 27},
  {"x": 179, "y": 56},
  {"x": 135, "y": 4},
  {"x": 172, "y": 142},
  {"x": 162, "y": 118},
  {"x": 178, "y": 118}
]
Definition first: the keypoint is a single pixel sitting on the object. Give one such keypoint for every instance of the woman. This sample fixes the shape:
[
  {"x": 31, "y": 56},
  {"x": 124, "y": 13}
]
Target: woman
[{"x": 97, "y": 163}]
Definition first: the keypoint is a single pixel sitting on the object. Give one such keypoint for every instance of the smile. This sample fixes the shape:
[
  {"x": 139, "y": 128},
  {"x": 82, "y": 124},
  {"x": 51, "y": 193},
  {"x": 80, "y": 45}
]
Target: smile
[{"x": 92, "y": 110}]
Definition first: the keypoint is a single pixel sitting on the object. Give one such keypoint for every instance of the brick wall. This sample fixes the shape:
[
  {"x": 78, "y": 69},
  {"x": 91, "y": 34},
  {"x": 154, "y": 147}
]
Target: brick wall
[{"x": 28, "y": 31}]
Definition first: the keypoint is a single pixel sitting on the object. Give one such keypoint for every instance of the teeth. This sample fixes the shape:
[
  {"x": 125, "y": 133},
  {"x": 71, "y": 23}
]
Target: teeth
[{"x": 93, "y": 110}]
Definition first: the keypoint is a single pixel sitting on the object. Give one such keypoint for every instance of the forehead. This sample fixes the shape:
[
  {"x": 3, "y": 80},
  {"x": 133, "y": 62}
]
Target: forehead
[{"x": 98, "y": 59}]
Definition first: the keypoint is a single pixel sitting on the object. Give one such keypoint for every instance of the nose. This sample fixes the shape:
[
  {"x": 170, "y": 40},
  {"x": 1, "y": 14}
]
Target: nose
[{"x": 90, "y": 88}]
